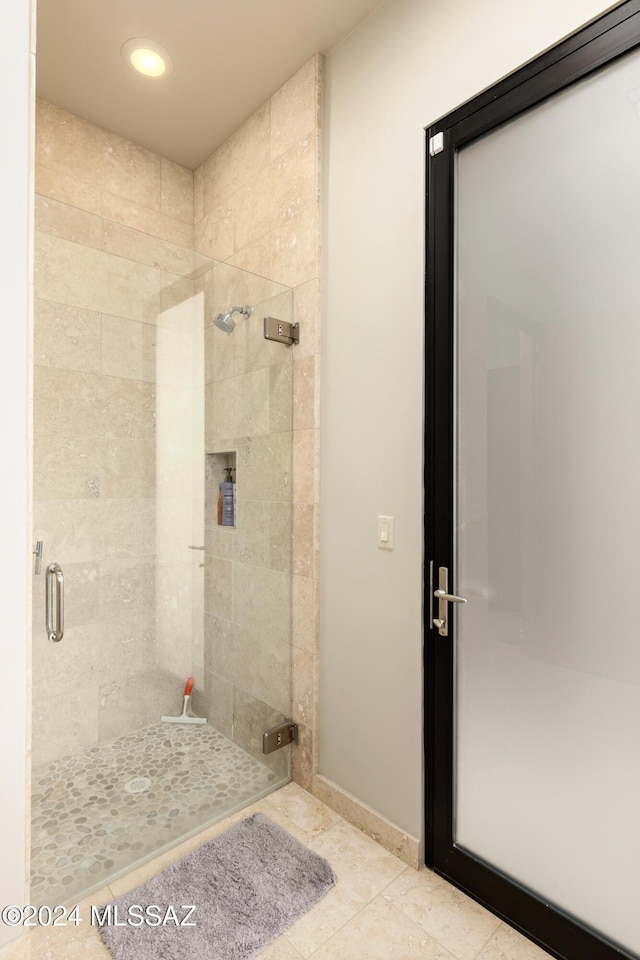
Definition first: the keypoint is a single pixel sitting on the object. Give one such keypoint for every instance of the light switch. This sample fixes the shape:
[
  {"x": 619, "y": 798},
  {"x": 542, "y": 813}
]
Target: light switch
[{"x": 385, "y": 533}]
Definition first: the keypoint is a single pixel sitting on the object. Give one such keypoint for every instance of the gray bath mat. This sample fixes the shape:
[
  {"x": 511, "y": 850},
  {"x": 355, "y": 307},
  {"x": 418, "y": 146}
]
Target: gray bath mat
[{"x": 248, "y": 885}]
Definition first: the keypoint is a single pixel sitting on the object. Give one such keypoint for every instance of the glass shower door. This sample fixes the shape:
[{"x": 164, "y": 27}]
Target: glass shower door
[
  {"x": 142, "y": 409},
  {"x": 246, "y": 652}
]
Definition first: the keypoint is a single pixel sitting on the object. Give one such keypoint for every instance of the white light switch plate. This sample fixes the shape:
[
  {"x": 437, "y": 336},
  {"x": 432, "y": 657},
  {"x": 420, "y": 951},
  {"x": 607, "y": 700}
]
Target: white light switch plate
[{"x": 385, "y": 533}]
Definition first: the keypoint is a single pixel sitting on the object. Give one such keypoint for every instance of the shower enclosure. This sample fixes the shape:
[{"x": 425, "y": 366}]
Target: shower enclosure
[{"x": 142, "y": 408}]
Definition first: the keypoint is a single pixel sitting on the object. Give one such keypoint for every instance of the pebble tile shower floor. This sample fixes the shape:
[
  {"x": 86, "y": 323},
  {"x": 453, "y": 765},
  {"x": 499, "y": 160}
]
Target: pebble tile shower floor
[{"x": 86, "y": 827}]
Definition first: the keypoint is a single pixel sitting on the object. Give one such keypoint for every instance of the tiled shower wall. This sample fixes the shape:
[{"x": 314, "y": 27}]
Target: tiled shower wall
[
  {"x": 257, "y": 206},
  {"x": 254, "y": 204},
  {"x": 100, "y": 291},
  {"x": 102, "y": 173}
]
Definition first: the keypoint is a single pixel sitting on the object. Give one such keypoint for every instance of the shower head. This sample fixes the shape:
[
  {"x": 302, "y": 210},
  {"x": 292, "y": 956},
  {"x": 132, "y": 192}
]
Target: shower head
[{"x": 225, "y": 321}]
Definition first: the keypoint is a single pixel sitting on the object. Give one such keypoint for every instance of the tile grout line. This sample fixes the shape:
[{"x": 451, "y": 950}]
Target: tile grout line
[
  {"x": 490, "y": 937},
  {"x": 437, "y": 940},
  {"x": 426, "y": 933},
  {"x": 362, "y": 907}
]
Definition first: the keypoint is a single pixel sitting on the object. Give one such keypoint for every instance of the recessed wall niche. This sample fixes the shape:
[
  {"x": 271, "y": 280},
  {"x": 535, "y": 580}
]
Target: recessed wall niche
[{"x": 219, "y": 468}]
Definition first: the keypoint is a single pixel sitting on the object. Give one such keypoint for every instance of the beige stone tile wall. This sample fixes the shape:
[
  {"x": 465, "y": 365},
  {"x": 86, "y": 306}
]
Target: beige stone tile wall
[
  {"x": 100, "y": 287},
  {"x": 99, "y": 172},
  {"x": 256, "y": 206}
]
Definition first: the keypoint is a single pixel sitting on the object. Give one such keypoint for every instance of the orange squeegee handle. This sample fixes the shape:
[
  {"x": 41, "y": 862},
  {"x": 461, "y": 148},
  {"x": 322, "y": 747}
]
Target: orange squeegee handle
[{"x": 189, "y": 687}]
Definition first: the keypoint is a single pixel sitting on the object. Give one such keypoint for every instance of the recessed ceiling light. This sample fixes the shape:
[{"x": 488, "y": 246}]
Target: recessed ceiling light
[{"x": 147, "y": 57}]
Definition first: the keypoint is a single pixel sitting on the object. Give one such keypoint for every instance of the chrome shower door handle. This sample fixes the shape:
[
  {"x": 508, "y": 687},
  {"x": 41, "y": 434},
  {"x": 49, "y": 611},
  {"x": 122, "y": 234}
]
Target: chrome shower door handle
[
  {"x": 443, "y": 598},
  {"x": 55, "y": 591}
]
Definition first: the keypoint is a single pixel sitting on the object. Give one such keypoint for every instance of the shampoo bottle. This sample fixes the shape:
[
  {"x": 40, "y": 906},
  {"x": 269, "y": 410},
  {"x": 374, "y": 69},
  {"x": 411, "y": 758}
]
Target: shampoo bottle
[{"x": 228, "y": 518}]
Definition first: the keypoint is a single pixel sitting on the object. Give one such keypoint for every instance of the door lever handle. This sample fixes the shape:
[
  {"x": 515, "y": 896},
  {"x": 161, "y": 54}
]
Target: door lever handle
[
  {"x": 450, "y": 597},
  {"x": 443, "y": 597}
]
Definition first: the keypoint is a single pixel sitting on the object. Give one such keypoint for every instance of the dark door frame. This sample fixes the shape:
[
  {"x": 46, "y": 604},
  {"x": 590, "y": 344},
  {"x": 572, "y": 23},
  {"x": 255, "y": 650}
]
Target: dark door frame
[{"x": 603, "y": 40}]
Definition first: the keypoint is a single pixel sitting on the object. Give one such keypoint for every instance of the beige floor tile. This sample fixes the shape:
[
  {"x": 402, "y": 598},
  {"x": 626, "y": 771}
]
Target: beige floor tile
[
  {"x": 450, "y": 917},
  {"x": 18, "y": 950},
  {"x": 70, "y": 942},
  {"x": 508, "y": 944},
  {"x": 380, "y": 932},
  {"x": 362, "y": 867},
  {"x": 298, "y": 812},
  {"x": 324, "y": 919},
  {"x": 280, "y": 949}
]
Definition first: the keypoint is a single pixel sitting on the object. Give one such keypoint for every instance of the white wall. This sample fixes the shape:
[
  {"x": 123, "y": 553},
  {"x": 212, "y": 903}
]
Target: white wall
[
  {"x": 411, "y": 62},
  {"x": 17, "y": 60}
]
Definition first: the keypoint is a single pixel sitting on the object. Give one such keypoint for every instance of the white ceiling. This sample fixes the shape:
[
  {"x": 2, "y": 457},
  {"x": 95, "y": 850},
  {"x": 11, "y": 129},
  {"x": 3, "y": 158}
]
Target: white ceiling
[{"x": 229, "y": 57}]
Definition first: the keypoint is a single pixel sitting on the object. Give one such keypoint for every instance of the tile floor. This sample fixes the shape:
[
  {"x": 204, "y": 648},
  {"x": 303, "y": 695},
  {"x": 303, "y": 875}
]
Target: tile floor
[{"x": 380, "y": 909}]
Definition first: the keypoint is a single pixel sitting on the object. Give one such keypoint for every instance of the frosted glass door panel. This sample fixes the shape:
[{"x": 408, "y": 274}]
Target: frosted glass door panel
[{"x": 548, "y": 501}]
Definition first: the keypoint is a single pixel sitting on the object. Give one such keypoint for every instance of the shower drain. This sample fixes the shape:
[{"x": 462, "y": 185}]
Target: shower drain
[{"x": 137, "y": 784}]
